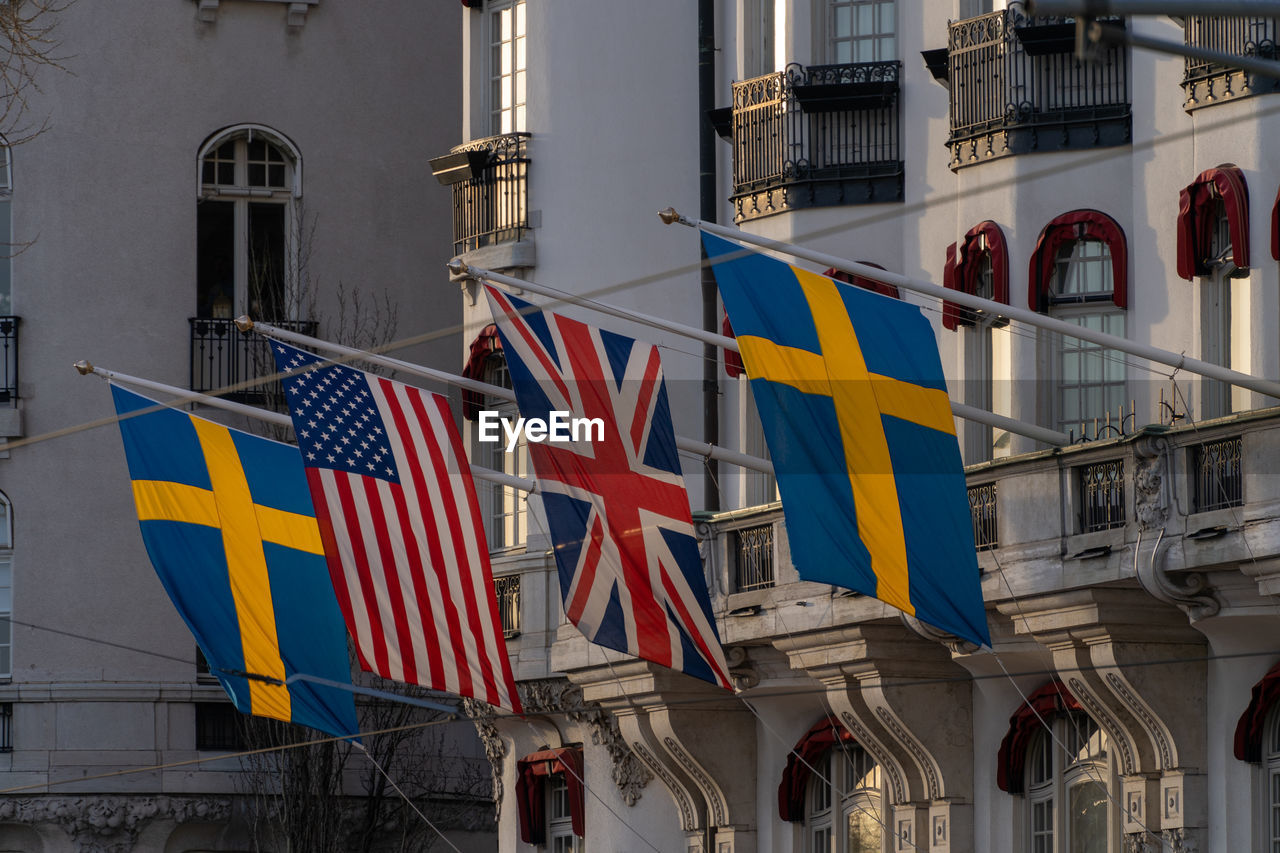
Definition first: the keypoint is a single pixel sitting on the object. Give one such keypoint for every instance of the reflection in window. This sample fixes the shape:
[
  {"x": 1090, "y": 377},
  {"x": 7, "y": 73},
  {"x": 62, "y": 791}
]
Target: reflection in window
[
  {"x": 507, "y": 67},
  {"x": 1067, "y": 788},
  {"x": 860, "y": 31},
  {"x": 504, "y": 508},
  {"x": 1090, "y": 379},
  {"x": 843, "y": 814}
]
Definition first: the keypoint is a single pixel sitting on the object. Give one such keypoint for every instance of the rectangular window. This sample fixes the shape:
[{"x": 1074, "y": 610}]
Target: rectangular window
[
  {"x": 560, "y": 817},
  {"x": 6, "y": 610},
  {"x": 507, "y": 68},
  {"x": 1042, "y": 827},
  {"x": 758, "y": 35},
  {"x": 6, "y": 727},
  {"x": 861, "y": 31},
  {"x": 1219, "y": 481},
  {"x": 982, "y": 509},
  {"x": 507, "y": 590},
  {"x": 1091, "y": 378}
]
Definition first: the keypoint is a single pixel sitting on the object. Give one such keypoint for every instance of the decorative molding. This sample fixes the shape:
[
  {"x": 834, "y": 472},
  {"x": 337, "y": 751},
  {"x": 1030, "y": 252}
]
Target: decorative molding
[
  {"x": 561, "y": 696},
  {"x": 99, "y": 824},
  {"x": 1102, "y": 716},
  {"x": 741, "y": 670},
  {"x": 1141, "y": 842},
  {"x": 1151, "y": 502},
  {"x": 917, "y": 750},
  {"x": 886, "y": 762},
  {"x": 1182, "y": 840},
  {"x": 295, "y": 15},
  {"x": 694, "y": 769},
  {"x": 1144, "y": 714},
  {"x": 688, "y": 818}
]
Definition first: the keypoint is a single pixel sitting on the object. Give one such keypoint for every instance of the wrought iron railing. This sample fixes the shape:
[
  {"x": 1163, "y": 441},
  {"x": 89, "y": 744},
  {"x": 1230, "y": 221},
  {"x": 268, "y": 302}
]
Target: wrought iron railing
[
  {"x": 1219, "y": 479},
  {"x": 507, "y": 590},
  {"x": 223, "y": 356},
  {"x": 493, "y": 206},
  {"x": 1102, "y": 496},
  {"x": 820, "y": 133},
  {"x": 1008, "y": 69},
  {"x": 9, "y": 358},
  {"x": 753, "y": 566},
  {"x": 1208, "y": 82},
  {"x": 982, "y": 510}
]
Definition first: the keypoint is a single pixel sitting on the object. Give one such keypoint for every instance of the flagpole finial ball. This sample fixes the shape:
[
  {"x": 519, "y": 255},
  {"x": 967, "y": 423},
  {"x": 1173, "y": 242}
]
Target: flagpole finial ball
[
  {"x": 244, "y": 324},
  {"x": 669, "y": 216},
  {"x": 456, "y": 267},
  {"x": 84, "y": 367}
]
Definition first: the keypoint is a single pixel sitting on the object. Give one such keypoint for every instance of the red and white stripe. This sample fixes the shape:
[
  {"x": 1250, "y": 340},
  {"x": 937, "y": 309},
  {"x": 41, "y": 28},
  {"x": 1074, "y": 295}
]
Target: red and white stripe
[{"x": 409, "y": 561}]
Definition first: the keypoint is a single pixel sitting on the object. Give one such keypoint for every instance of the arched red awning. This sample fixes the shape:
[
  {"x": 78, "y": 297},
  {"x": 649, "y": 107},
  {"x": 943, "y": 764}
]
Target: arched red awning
[
  {"x": 1077, "y": 225},
  {"x": 531, "y": 776},
  {"x": 863, "y": 282},
  {"x": 1040, "y": 708},
  {"x": 485, "y": 345},
  {"x": 821, "y": 736},
  {"x": 732, "y": 360},
  {"x": 1197, "y": 218},
  {"x": 1252, "y": 725},
  {"x": 964, "y": 262}
]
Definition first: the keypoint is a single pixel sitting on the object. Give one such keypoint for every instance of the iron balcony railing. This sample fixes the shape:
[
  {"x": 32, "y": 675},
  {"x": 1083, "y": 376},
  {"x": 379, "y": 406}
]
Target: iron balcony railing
[
  {"x": 9, "y": 358},
  {"x": 1008, "y": 70},
  {"x": 982, "y": 510},
  {"x": 1102, "y": 496},
  {"x": 222, "y": 356},
  {"x": 1219, "y": 479},
  {"x": 1208, "y": 82},
  {"x": 817, "y": 135},
  {"x": 507, "y": 590},
  {"x": 753, "y": 566},
  {"x": 493, "y": 206}
]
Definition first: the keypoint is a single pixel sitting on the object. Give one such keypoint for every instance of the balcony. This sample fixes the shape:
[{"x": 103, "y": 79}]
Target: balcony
[
  {"x": 1016, "y": 87},
  {"x": 506, "y": 588},
  {"x": 9, "y": 359},
  {"x": 222, "y": 356},
  {"x": 490, "y": 181},
  {"x": 1206, "y": 83},
  {"x": 816, "y": 136}
]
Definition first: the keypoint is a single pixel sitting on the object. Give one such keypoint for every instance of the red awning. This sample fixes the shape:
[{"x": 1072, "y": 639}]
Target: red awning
[
  {"x": 823, "y": 735},
  {"x": 1252, "y": 725},
  {"x": 1275, "y": 228},
  {"x": 1077, "y": 225},
  {"x": 732, "y": 361},
  {"x": 950, "y": 310},
  {"x": 531, "y": 776},
  {"x": 1040, "y": 708},
  {"x": 965, "y": 263},
  {"x": 486, "y": 344},
  {"x": 863, "y": 282},
  {"x": 1197, "y": 218}
]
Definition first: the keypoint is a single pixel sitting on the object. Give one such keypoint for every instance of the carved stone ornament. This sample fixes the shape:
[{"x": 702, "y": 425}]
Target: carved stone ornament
[
  {"x": 110, "y": 824},
  {"x": 1189, "y": 590},
  {"x": 937, "y": 635},
  {"x": 741, "y": 670},
  {"x": 1141, "y": 842},
  {"x": 560, "y": 696},
  {"x": 1181, "y": 840}
]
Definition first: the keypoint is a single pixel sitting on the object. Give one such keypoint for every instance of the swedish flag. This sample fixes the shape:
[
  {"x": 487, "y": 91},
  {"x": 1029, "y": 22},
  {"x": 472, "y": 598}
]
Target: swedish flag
[
  {"x": 228, "y": 522},
  {"x": 851, "y": 394}
]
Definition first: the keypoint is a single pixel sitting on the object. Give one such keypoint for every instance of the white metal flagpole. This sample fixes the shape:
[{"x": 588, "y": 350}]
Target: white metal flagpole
[
  {"x": 960, "y": 410},
  {"x": 689, "y": 445},
  {"x": 277, "y": 418},
  {"x": 968, "y": 300}
]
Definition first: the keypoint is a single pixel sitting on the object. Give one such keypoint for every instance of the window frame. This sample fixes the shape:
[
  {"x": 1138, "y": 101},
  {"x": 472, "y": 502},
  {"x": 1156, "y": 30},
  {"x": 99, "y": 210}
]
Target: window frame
[
  {"x": 504, "y": 509},
  {"x": 6, "y": 588},
  {"x": 1270, "y": 786},
  {"x": 245, "y": 196},
  {"x": 828, "y": 38},
  {"x": 828, "y": 807},
  {"x": 1051, "y": 777},
  {"x": 493, "y": 45}
]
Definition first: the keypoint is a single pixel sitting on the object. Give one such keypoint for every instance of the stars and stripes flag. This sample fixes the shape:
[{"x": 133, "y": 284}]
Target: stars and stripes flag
[
  {"x": 401, "y": 527},
  {"x": 630, "y": 573}
]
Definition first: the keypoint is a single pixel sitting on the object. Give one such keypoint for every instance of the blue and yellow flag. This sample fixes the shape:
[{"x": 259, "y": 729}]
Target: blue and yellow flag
[
  {"x": 851, "y": 394},
  {"x": 228, "y": 522}
]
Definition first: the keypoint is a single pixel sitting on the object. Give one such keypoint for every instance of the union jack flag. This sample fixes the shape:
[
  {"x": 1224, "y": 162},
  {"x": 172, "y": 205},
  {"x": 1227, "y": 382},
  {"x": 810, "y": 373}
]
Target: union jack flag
[
  {"x": 401, "y": 527},
  {"x": 630, "y": 573}
]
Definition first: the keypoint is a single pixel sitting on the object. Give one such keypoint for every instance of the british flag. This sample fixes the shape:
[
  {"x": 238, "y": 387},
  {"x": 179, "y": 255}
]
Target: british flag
[
  {"x": 630, "y": 573},
  {"x": 401, "y": 527}
]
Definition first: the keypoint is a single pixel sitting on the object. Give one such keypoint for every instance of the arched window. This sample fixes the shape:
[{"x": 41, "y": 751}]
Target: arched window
[
  {"x": 835, "y": 788},
  {"x": 1257, "y": 740},
  {"x": 1079, "y": 274},
  {"x": 249, "y": 241},
  {"x": 6, "y": 588},
  {"x": 503, "y": 508},
  {"x": 1057, "y": 758},
  {"x": 1271, "y": 780},
  {"x": 6, "y": 231},
  {"x": 550, "y": 799}
]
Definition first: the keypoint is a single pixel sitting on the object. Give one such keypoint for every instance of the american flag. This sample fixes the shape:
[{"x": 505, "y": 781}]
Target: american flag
[
  {"x": 401, "y": 527},
  {"x": 630, "y": 573}
]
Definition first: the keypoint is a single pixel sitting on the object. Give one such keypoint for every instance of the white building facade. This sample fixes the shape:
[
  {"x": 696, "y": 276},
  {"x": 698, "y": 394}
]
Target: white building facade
[
  {"x": 1129, "y": 702},
  {"x": 180, "y": 164}
]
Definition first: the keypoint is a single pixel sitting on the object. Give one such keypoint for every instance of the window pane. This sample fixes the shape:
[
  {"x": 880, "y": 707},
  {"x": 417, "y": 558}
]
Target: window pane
[
  {"x": 267, "y": 296},
  {"x": 1088, "y": 818},
  {"x": 865, "y": 834},
  {"x": 215, "y": 258}
]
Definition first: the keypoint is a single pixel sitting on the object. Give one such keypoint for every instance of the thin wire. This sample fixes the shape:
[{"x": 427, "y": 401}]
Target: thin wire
[{"x": 392, "y": 782}]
